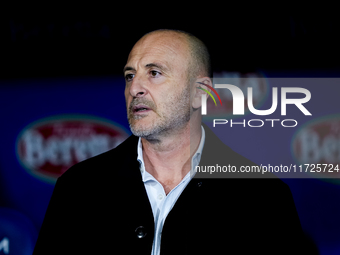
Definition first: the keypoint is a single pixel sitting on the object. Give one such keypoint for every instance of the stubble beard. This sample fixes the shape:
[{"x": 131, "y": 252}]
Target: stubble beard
[{"x": 175, "y": 118}]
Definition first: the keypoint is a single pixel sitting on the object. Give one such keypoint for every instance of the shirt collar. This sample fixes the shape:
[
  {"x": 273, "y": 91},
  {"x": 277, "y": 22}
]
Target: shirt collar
[{"x": 194, "y": 161}]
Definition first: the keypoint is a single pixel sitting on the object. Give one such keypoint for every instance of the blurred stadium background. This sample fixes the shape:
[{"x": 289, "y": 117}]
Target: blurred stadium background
[{"x": 61, "y": 98}]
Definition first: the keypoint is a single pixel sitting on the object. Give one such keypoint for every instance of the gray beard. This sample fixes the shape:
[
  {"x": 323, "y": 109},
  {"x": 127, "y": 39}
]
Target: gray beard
[{"x": 178, "y": 117}]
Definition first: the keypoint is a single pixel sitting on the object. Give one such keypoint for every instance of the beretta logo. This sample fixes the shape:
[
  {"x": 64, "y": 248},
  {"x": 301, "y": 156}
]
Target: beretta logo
[
  {"x": 48, "y": 147},
  {"x": 318, "y": 142}
]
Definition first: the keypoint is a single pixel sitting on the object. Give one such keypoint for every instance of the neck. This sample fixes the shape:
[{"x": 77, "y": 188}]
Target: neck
[{"x": 168, "y": 158}]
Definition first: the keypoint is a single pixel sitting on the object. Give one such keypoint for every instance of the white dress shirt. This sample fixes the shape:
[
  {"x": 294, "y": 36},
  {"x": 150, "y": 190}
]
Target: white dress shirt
[{"x": 161, "y": 203}]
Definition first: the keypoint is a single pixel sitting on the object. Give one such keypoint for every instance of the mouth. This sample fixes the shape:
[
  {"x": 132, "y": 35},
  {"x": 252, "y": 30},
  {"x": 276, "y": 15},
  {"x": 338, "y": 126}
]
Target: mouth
[{"x": 140, "y": 109}]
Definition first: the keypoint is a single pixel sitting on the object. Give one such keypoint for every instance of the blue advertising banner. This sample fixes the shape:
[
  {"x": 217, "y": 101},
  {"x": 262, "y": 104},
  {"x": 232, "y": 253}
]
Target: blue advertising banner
[{"x": 47, "y": 126}]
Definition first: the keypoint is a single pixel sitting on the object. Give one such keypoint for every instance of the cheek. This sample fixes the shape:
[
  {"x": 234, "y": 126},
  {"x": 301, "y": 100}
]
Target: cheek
[
  {"x": 126, "y": 93},
  {"x": 169, "y": 99},
  {"x": 157, "y": 81},
  {"x": 127, "y": 97}
]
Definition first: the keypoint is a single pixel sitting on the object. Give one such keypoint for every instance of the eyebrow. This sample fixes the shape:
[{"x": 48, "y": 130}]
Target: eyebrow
[
  {"x": 157, "y": 65},
  {"x": 127, "y": 68}
]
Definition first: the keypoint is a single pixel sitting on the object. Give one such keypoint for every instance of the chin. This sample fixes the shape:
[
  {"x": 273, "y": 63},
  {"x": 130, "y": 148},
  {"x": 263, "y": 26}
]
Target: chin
[{"x": 140, "y": 130}]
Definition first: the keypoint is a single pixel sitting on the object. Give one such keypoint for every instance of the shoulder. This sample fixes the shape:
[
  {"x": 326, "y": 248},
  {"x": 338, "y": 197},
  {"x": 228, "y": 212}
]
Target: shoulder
[{"x": 106, "y": 164}]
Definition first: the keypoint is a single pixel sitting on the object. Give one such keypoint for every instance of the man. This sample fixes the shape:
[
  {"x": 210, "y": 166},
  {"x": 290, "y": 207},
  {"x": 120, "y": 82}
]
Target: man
[{"x": 143, "y": 198}]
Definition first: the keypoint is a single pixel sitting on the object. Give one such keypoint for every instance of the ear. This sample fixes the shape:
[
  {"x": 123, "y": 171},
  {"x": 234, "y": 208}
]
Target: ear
[{"x": 197, "y": 99}]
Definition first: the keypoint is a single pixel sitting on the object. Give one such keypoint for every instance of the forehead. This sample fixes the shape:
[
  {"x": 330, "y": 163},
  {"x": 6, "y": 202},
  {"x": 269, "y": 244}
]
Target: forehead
[{"x": 168, "y": 48}]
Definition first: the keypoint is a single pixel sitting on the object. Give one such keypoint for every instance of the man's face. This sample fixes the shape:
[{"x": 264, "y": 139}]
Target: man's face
[{"x": 157, "y": 92}]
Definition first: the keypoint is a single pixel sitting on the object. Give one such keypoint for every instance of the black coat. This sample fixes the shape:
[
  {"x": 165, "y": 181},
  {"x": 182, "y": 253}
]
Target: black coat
[{"x": 100, "y": 206}]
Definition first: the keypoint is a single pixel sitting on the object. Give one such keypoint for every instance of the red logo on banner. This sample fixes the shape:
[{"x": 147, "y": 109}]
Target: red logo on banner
[
  {"x": 318, "y": 142},
  {"x": 48, "y": 147}
]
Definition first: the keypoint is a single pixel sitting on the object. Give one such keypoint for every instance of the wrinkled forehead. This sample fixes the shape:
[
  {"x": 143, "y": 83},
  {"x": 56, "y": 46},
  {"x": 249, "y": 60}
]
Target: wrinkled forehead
[{"x": 170, "y": 48}]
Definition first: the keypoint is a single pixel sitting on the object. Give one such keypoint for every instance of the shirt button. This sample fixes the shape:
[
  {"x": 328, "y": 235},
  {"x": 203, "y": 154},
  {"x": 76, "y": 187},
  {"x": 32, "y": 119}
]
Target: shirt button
[
  {"x": 199, "y": 184},
  {"x": 140, "y": 232},
  {"x": 160, "y": 196}
]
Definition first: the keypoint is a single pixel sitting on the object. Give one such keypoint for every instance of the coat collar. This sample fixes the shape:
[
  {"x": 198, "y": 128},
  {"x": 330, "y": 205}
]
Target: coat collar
[{"x": 214, "y": 152}]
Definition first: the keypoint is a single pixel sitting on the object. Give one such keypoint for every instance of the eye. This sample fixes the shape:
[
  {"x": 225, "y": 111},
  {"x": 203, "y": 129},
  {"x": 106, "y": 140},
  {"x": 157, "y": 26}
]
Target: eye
[
  {"x": 129, "y": 77},
  {"x": 154, "y": 73}
]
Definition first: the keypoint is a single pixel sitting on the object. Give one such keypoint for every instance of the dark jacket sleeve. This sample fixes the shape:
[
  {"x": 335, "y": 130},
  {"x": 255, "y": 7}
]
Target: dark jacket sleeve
[
  {"x": 59, "y": 224},
  {"x": 282, "y": 231}
]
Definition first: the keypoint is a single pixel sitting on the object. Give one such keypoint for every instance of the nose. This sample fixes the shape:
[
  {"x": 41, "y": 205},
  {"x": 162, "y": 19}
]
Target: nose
[{"x": 138, "y": 87}]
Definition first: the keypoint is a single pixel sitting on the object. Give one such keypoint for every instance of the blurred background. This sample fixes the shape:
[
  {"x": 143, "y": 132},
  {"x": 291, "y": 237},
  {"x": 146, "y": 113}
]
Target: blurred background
[{"x": 61, "y": 96}]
